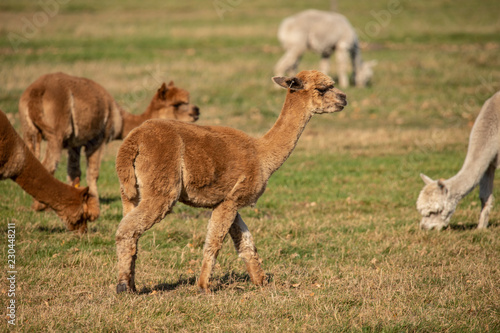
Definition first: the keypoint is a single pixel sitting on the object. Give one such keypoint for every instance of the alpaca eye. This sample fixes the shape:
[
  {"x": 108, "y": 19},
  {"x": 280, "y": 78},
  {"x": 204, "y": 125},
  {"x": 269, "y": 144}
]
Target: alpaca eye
[{"x": 322, "y": 91}]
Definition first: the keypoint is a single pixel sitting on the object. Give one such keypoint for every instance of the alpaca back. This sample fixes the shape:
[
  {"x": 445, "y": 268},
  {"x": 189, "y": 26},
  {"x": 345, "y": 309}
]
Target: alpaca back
[
  {"x": 317, "y": 30},
  {"x": 74, "y": 109}
]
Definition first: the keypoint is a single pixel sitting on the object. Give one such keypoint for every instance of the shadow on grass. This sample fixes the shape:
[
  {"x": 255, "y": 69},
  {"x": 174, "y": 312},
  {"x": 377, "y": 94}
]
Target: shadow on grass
[
  {"x": 231, "y": 280},
  {"x": 463, "y": 226},
  {"x": 471, "y": 226},
  {"x": 191, "y": 281},
  {"x": 52, "y": 230},
  {"x": 91, "y": 228},
  {"x": 109, "y": 199},
  {"x": 227, "y": 281}
]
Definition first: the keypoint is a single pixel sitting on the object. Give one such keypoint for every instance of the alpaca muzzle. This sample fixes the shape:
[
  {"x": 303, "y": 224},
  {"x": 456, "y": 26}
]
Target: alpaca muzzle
[{"x": 342, "y": 101}]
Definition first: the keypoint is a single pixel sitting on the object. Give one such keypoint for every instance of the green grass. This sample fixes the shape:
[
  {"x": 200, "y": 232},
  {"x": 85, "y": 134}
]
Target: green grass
[{"x": 337, "y": 227}]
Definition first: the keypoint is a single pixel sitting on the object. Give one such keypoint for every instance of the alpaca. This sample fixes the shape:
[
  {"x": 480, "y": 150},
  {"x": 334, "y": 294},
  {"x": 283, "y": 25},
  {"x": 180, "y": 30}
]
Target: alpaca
[
  {"x": 71, "y": 112},
  {"x": 73, "y": 205},
  {"x": 323, "y": 32},
  {"x": 162, "y": 162},
  {"x": 438, "y": 199}
]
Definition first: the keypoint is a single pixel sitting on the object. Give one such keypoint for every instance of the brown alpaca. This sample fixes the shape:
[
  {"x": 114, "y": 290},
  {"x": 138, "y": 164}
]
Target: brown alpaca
[
  {"x": 73, "y": 205},
  {"x": 162, "y": 162},
  {"x": 72, "y": 112}
]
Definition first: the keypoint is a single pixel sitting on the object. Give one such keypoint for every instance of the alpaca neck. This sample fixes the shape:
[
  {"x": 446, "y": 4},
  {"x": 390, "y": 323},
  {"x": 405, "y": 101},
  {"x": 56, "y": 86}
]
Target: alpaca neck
[
  {"x": 131, "y": 121},
  {"x": 278, "y": 143},
  {"x": 468, "y": 177},
  {"x": 41, "y": 185}
]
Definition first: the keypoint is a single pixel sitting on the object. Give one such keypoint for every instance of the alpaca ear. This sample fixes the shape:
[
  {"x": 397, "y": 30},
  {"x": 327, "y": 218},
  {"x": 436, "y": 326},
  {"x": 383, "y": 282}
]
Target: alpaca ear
[
  {"x": 427, "y": 180},
  {"x": 171, "y": 84},
  {"x": 162, "y": 91},
  {"x": 84, "y": 193},
  {"x": 293, "y": 83}
]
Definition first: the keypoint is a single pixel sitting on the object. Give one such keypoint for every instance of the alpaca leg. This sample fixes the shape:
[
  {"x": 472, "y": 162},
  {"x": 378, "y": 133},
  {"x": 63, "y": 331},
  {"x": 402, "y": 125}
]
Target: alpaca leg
[
  {"x": 52, "y": 154},
  {"x": 74, "y": 171},
  {"x": 486, "y": 196},
  {"x": 93, "y": 164},
  {"x": 288, "y": 62},
  {"x": 50, "y": 162},
  {"x": 37, "y": 145},
  {"x": 131, "y": 227},
  {"x": 244, "y": 244},
  {"x": 342, "y": 59},
  {"x": 221, "y": 220},
  {"x": 324, "y": 64},
  {"x": 33, "y": 141},
  {"x": 157, "y": 197}
]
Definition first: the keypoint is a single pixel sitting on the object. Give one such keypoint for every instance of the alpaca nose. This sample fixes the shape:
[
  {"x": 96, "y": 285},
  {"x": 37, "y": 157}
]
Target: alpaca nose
[
  {"x": 342, "y": 98},
  {"x": 195, "y": 112}
]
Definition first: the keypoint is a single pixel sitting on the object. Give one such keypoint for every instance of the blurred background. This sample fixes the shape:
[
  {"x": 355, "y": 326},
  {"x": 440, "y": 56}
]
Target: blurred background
[
  {"x": 337, "y": 227},
  {"x": 437, "y": 60}
]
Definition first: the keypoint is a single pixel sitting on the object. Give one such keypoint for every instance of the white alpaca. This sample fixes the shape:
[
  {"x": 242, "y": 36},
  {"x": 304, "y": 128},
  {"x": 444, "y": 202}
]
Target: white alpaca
[
  {"x": 438, "y": 199},
  {"x": 323, "y": 33}
]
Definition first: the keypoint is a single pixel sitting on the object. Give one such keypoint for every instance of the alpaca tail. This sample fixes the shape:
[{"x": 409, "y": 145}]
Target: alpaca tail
[
  {"x": 125, "y": 161},
  {"x": 35, "y": 110}
]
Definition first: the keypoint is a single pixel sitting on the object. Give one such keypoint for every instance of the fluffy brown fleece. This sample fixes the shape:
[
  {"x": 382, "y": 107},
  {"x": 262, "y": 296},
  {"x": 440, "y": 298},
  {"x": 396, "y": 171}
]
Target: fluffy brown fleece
[
  {"x": 162, "y": 162},
  {"x": 73, "y": 112}
]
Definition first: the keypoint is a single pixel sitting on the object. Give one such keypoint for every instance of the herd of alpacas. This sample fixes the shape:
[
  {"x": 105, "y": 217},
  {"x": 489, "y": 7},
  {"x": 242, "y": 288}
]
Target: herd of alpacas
[{"x": 165, "y": 158}]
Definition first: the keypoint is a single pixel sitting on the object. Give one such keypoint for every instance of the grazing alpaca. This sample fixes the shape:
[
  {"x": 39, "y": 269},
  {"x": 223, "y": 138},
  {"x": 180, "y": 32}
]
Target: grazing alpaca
[
  {"x": 323, "y": 33},
  {"x": 73, "y": 205},
  {"x": 162, "y": 162},
  {"x": 71, "y": 112},
  {"x": 438, "y": 199}
]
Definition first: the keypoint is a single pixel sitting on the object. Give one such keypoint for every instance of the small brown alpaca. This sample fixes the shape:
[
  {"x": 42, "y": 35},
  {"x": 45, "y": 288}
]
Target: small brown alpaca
[
  {"x": 73, "y": 205},
  {"x": 162, "y": 162},
  {"x": 72, "y": 112}
]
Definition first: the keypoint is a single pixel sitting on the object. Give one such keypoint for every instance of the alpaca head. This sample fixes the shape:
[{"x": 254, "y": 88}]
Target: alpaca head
[
  {"x": 171, "y": 102},
  {"x": 364, "y": 74},
  {"x": 434, "y": 204},
  {"x": 316, "y": 89},
  {"x": 85, "y": 208}
]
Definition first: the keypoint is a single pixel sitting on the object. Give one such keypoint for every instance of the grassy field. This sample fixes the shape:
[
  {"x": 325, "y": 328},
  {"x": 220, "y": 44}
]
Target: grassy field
[{"x": 337, "y": 228}]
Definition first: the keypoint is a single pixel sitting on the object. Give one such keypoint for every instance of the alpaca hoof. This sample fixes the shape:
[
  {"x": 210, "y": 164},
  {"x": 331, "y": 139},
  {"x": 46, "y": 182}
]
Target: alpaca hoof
[
  {"x": 83, "y": 228},
  {"x": 204, "y": 287},
  {"x": 38, "y": 206},
  {"x": 93, "y": 210},
  {"x": 121, "y": 287},
  {"x": 204, "y": 291},
  {"x": 259, "y": 280},
  {"x": 257, "y": 275}
]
